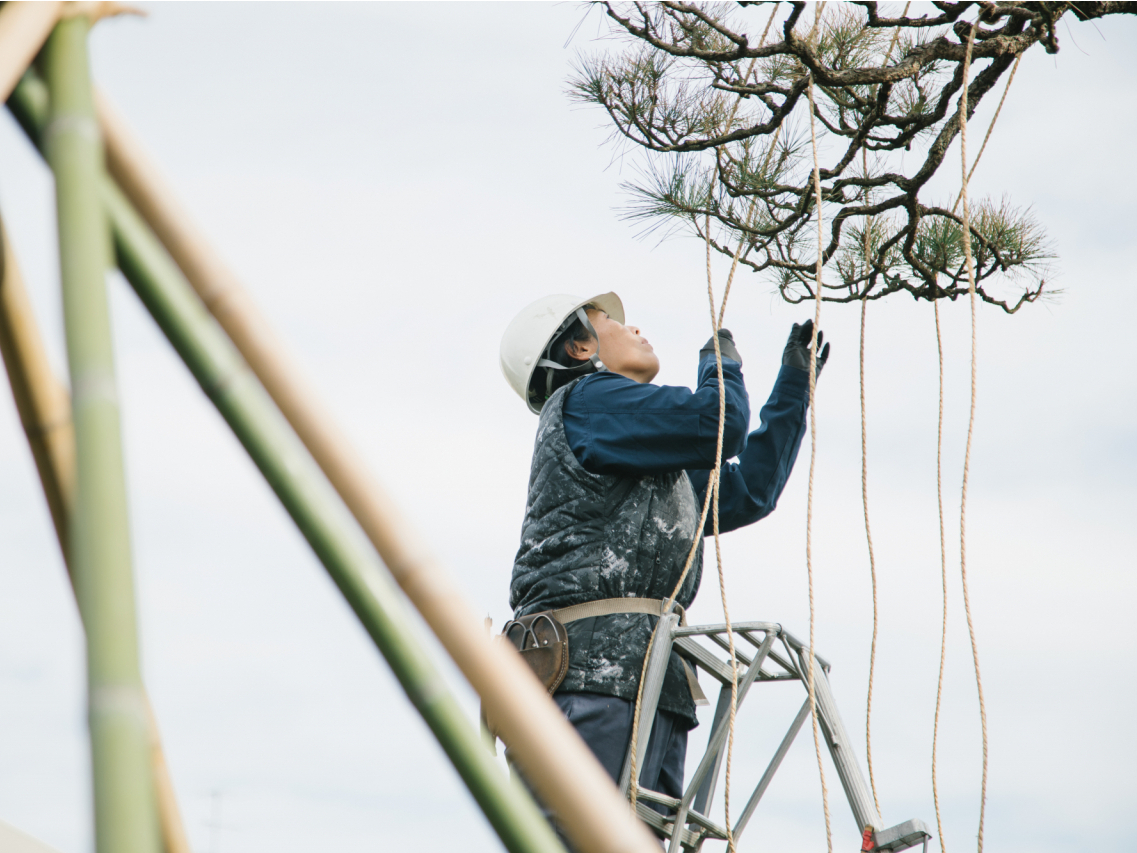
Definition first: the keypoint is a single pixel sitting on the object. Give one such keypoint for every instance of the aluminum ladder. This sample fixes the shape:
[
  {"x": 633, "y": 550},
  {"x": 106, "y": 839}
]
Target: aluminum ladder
[{"x": 765, "y": 652}]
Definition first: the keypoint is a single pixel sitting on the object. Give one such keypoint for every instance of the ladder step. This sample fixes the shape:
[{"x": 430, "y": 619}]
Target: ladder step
[
  {"x": 902, "y": 836},
  {"x": 691, "y": 839}
]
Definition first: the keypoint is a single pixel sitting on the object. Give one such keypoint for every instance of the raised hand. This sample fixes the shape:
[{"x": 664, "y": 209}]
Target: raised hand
[{"x": 796, "y": 353}]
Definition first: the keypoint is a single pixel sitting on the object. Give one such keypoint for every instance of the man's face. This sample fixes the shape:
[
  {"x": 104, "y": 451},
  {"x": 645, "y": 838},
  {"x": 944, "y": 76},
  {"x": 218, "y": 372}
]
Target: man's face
[{"x": 622, "y": 348}]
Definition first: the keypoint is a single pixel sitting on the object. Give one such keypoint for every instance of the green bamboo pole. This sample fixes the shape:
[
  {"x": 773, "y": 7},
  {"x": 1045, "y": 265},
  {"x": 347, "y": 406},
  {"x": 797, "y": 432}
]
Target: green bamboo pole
[
  {"x": 554, "y": 759},
  {"x": 44, "y": 406},
  {"x": 369, "y": 590},
  {"x": 352, "y": 564},
  {"x": 125, "y": 814}
]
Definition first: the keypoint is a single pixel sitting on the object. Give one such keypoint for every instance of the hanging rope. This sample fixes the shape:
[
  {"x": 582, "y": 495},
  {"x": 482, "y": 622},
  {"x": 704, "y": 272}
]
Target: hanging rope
[
  {"x": 970, "y": 427},
  {"x": 753, "y": 204},
  {"x": 990, "y": 127},
  {"x": 939, "y": 474},
  {"x": 711, "y": 496},
  {"x": 868, "y": 528},
  {"x": 943, "y": 574},
  {"x": 712, "y": 484},
  {"x": 812, "y": 463},
  {"x": 816, "y": 21},
  {"x": 716, "y": 325},
  {"x": 865, "y": 459},
  {"x": 864, "y": 466},
  {"x": 718, "y": 550}
]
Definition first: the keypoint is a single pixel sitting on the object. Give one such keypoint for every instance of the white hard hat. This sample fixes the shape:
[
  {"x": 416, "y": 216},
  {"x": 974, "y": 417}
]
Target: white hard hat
[{"x": 529, "y": 334}]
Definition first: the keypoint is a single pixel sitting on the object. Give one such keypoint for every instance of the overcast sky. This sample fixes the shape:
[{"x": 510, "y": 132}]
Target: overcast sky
[{"x": 393, "y": 182}]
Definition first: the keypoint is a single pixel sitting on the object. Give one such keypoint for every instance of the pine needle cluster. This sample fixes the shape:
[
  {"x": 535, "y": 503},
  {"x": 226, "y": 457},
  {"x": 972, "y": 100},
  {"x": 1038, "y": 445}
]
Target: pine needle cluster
[{"x": 720, "y": 116}]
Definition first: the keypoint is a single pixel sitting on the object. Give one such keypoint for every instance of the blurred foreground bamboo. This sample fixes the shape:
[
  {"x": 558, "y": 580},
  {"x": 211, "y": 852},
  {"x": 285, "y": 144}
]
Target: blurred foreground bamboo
[
  {"x": 287, "y": 467},
  {"x": 547, "y": 748},
  {"x": 285, "y": 464},
  {"x": 44, "y": 407},
  {"x": 98, "y": 536},
  {"x": 42, "y": 401},
  {"x": 544, "y": 745},
  {"x": 24, "y": 27}
]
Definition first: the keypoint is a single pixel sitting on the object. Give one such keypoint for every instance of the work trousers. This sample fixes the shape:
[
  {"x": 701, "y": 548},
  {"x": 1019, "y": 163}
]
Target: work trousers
[{"x": 605, "y": 724}]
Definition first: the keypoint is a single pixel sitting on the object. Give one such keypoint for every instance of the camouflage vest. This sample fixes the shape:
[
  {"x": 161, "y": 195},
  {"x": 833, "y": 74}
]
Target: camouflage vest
[{"x": 592, "y": 536}]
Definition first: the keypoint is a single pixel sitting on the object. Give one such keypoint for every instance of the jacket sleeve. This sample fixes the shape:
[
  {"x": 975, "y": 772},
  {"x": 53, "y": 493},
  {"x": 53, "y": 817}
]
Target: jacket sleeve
[
  {"x": 616, "y": 425},
  {"x": 751, "y": 486}
]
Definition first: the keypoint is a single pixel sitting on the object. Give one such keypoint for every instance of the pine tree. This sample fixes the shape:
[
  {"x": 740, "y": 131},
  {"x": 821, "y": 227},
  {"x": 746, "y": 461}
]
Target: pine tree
[{"x": 721, "y": 119}]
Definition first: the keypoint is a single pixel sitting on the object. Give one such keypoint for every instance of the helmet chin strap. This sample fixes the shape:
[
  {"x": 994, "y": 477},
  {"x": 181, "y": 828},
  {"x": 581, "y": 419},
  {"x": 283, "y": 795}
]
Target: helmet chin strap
[
  {"x": 592, "y": 365},
  {"x": 582, "y": 315}
]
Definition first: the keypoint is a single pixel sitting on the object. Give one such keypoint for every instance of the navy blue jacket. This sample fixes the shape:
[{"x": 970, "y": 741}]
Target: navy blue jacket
[{"x": 616, "y": 425}]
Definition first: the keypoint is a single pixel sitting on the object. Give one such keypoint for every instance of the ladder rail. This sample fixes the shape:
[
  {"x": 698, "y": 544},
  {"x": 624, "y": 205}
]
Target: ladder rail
[
  {"x": 840, "y": 750},
  {"x": 706, "y": 790},
  {"x": 717, "y": 741},
  {"x": 654, "y": 675}
]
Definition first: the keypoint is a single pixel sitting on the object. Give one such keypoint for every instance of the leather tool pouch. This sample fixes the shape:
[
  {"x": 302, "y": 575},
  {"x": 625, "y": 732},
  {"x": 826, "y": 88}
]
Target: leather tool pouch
[{"x": 543, "y": 642}]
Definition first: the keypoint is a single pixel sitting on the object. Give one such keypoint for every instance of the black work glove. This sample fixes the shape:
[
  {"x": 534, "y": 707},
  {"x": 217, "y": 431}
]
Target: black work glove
[
  {"x": 726, "y": 346},
  {"x": 796, "y": 353}
]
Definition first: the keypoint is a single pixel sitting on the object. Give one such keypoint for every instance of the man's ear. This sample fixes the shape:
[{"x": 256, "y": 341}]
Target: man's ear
[{"x": 581, "y": 350}]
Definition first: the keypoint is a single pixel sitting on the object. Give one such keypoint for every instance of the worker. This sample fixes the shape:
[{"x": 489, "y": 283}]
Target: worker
[{"x": 620, "y": 471}]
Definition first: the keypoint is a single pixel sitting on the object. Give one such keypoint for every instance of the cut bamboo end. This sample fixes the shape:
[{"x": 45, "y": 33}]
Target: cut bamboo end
[{"x": 24, "y": 27}]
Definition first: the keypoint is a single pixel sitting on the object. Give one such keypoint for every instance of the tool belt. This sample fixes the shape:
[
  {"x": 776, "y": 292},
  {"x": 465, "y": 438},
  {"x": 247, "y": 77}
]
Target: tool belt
[{"x": 542, "y": 640}]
